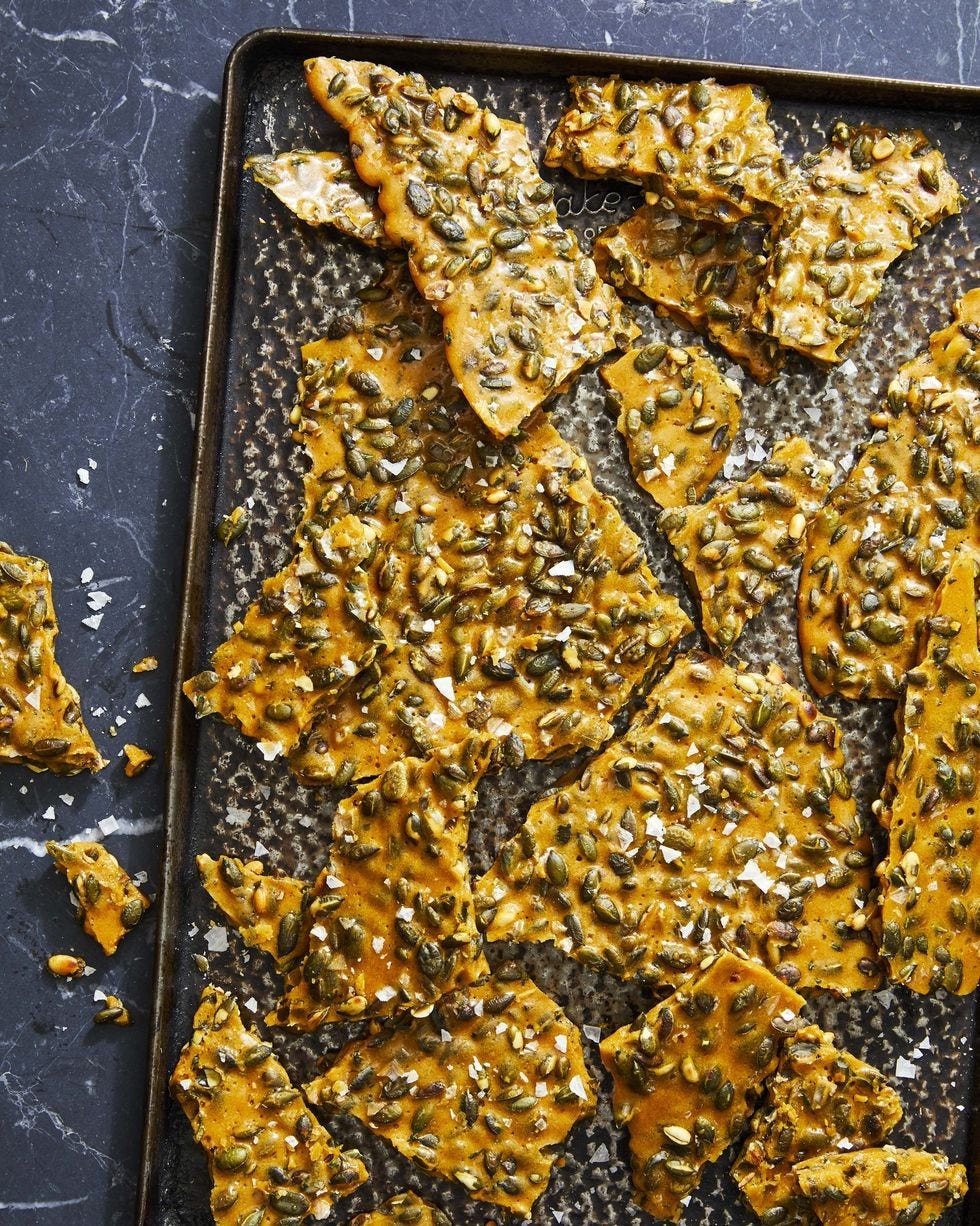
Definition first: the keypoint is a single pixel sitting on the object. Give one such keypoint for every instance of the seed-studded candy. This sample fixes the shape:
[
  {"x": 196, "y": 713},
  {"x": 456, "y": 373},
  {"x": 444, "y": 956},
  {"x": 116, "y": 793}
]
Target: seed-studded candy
[
  {"x": 901, "y": 1187},
  {"x": 879, "y": 548},
  {"x": 404, "y": 1209},
  {"x": 109, "y": 903},
  {"x": 723, "y": 819},
  {"x": 269, "y": 1157},
  {"x": 523, "y": 309},
  {"x": 706, "y": 148},
  {"x": 41, "y": 721},
  {"x": 930, "y": 905},
  {"x": 738, "y": 548},
  {"x": 390, "y": 924},
  {"x": 819, "y": 1100},
  {"x": 686, "y": 1075},
  {"x": 851, "y": 210},
  {"x": 704, "y": 275},
  {"x": 268, "y": 910},
  {"x": 323, "y": 189},
  {"x": 483, "y": 1090},
  {"x": 678, "y": 414}
]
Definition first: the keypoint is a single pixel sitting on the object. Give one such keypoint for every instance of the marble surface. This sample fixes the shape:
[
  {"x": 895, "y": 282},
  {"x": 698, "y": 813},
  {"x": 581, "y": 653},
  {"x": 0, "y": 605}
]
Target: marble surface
[{"x": 107, "y": 151}]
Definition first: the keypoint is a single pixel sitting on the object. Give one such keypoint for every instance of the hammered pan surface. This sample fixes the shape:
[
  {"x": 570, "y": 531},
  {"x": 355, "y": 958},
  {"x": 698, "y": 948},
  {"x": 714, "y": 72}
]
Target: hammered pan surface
[{"x": 288, "y": 280}]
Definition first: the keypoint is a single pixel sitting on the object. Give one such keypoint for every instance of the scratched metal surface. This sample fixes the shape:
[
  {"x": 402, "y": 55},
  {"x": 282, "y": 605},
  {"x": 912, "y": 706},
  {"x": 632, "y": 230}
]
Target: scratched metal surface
[{"x": 289, "y": 279}]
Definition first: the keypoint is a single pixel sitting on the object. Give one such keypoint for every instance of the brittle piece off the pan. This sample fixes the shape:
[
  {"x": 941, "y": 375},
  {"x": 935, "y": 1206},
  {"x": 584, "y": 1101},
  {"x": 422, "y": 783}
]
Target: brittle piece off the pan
[
  {"x": 41, "y": 721},
  {"x": 523, "y": 308},
  {"x": 483, "y": 1090},
  {"x": 723, "y": 819},
  {"x": 686, "y": 1075},
  {"x": 267, "y": 1153},
  {"x": 109, "y": 902},
  {"x": 880, "y": 547}
]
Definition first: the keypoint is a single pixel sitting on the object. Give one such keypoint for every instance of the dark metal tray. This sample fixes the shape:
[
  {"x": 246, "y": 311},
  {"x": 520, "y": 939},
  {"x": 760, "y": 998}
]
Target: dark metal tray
[{"x": 274, "y": 283}]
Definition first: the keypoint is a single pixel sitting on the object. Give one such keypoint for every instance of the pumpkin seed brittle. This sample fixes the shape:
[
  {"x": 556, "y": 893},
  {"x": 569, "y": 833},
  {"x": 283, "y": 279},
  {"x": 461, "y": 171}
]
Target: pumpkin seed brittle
[
  {"x": 523, "y": 308},
  {"x": 390, "y": 923},
  {"x": 41, "y": 721},
  {"x": 322, "y": 189},
  {"x": 738, "y": 548},
  {"x": 265, "y": 1149},
  {"x": 701, "y": 274},
  {"x": 707, "y": 148},
  {"x": 404, "y": 1209},
  {"x": 872, "y": 1186},
  {"x": 686, "y": 1074},
  {"x": 851, "y": 210},
  {"x": 678, "y": 414},
  {"x": 820, "y": 1099},
  {"x": 312, "y": 630},
  {"x": 109, "y": 903},
  {"x": 880, "y": 547},
  {"x": 516, "y": 600},
  {"x": 484, "y": 1090},
  {"x": 930, "y": 909},
  {"x": 268, "y": 910},
  {"x": 722, "y": 819}
]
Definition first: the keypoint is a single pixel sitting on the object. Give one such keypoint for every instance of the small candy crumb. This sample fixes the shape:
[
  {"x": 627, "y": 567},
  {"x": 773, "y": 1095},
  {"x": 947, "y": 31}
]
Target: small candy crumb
[
  {"x": 113, "y": 1013},
  {"x": 137, "y": 760},
  {"x": 148, "y": 664},
  {"x": 66, "y": 966}
]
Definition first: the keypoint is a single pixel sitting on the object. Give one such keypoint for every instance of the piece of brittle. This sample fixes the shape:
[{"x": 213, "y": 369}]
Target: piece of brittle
[
  {"x": 484, "y": 1090},
  {"x": 523, "y": 308},
  {"x": 819, "y": 1100},
  {"x": 738, "y": 548},
  {"x": 268, "y": 910},
  {"x": 322, "y": 189},
  {"x": 678, "y": 414},
  {"x": 703, "y": 275},
  {"x": 41, "y": 721},
  {"x": 312, "y": 630},
  {"x": 706, "y": 148},
  {"x": 880, "y": 547},
  {"x": 515, "y": 600},
  {"x": 722, "y": 820},
  {"x": 404, "y": 1209},
  {"x": 881, "y": 1187},
  {"x": 850, "y": 211},
  {"x": 930, "y": 906},
  {"x": 109, "y": 903},
  {"x": 266, "y": 1150},
  {"x": 390, "y": 923},
  {"x": 686, "y": 1075}
]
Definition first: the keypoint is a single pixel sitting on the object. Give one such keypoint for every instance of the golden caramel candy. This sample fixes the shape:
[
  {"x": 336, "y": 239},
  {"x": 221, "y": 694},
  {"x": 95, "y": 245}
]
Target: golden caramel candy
[
  {"x": 390, "y": 924},
  {"x": 686, "y": 1075},
  {"x": 523, "y": 309},
  {"x": 322, "y": 189},
  {"x": 706, "y": 148},
  {"x": 66, "y": 966},
  {"x": 268, "y": 910},
  {"x": 483, "y": 1092},
  {"x": 703, "y": 275},
  {"x": 113, "y": 1013},
  {"x": 41, "y": 721},
  {"x": 678, "y": 414},
  {"x": 516, "y": 600},
  {"x": 881, "y": 1187},
  {"x": 251, "y": 1122},
  {"x": 851, "y": 210},
  {"x": 930, "y": 906},
  {"x": 405, "y": 1209},
  {"x": 880, "y": 547},
  {"x": 819, "y": 1100},
  {"x": 313, "y": 629},
  {"x": 137, "y": 760},
  {"x": 109, "y": 904},
  {"x": 723, "y": 819},
  {"x": 738, "y": 548}
]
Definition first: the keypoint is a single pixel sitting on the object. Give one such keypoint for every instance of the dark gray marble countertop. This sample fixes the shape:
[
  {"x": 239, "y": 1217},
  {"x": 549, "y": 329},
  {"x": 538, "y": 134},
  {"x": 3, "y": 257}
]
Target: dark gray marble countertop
[{"x": 107, "y": 153}]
